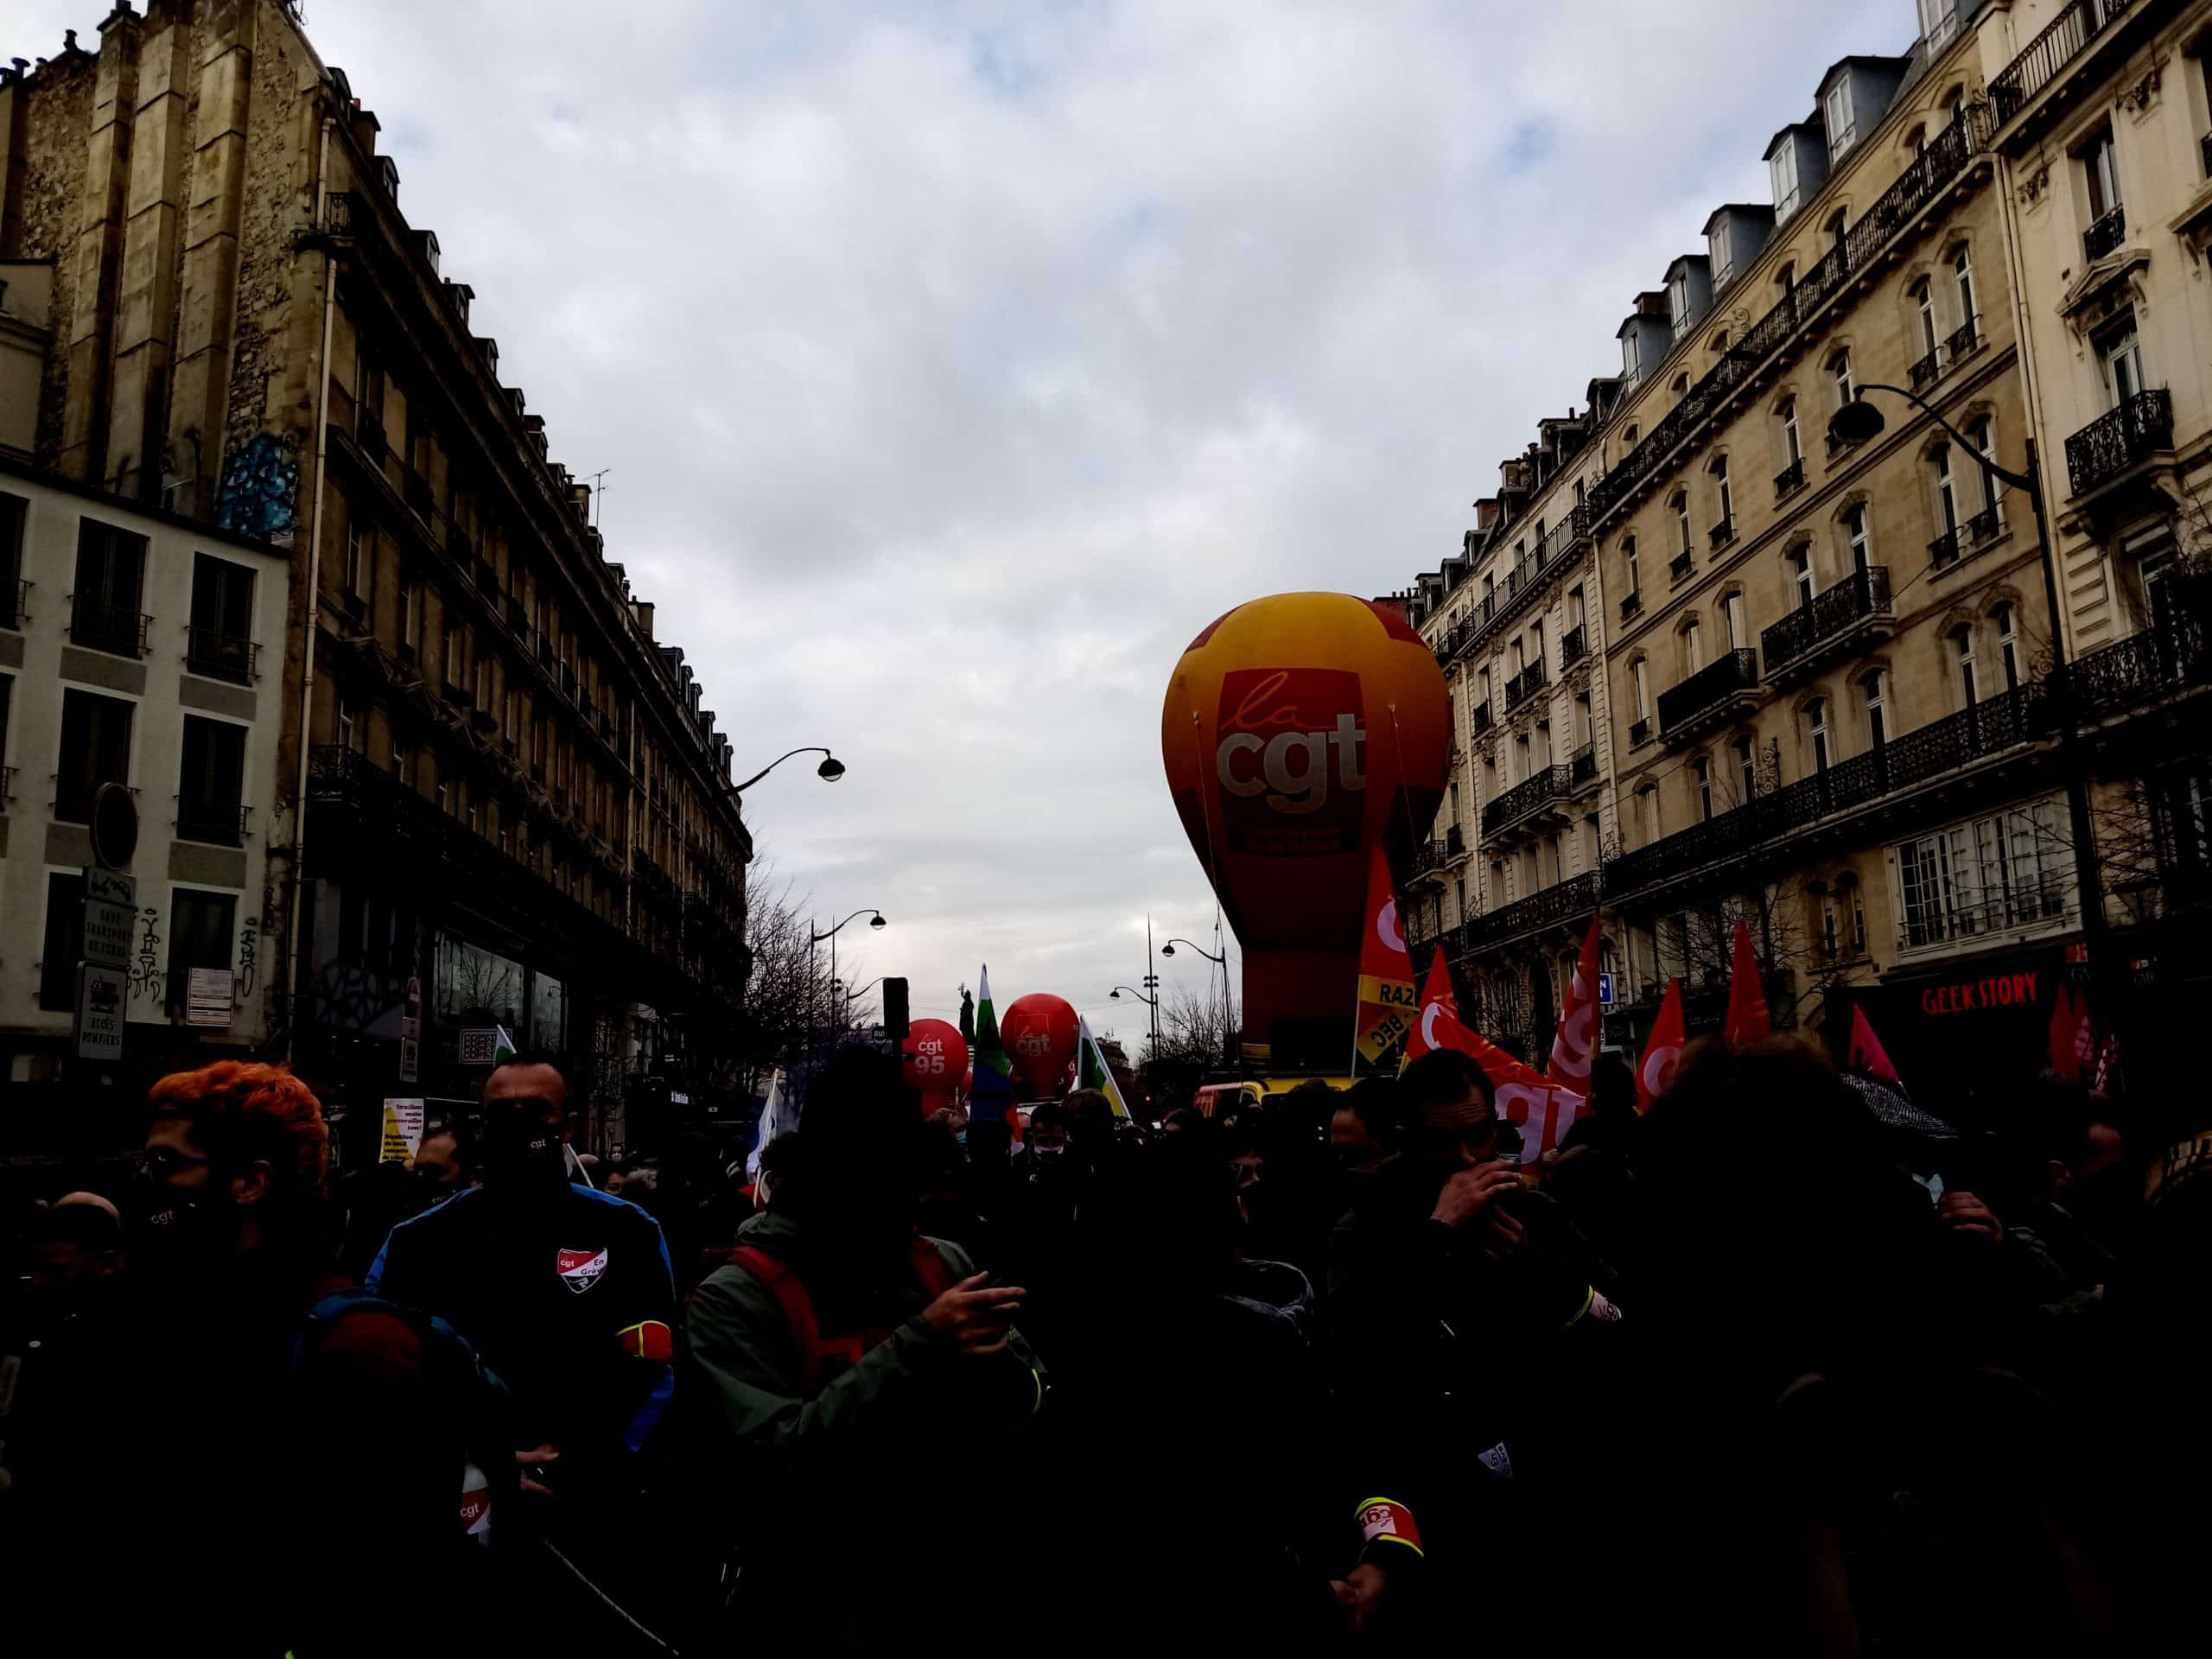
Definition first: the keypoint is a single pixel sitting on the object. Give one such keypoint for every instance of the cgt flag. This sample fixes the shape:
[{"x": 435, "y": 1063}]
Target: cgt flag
[
  {"x": 992, "y": 1095},
  {"x": 1385, "y": 974},
  {"x": 1576, "y": 1045},
  {"x": 1091, "y": 1071},
  {"x": 1543, "y": 1111},
  {"x": 1661, "y": 1050},
  {"x": 1438, "y": 991},
  {"x": 1866, "y": 1055},
  {"x": 1747, "y": 1014}
]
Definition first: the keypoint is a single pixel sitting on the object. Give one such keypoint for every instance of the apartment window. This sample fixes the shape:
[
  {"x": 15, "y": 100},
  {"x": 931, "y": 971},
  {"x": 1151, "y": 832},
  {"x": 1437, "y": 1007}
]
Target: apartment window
[
  {"x": 1628, "y": 557},
  {"x": 1831, "y": 933},
  {"x": 1640, "y": 672},
  {"x": 1782, "y": 173},
  {"x": 219, "y": 641},
  {"x": 1858, "y": 921},
  {"x": 1585, "y": 728},
  {"x": 1629, "y": 437},
  {"x": 1732, "y": 608},
  {"x": 1839, "y": 372},
  {"x": 95, "y": 750},
  {"x": 1693, "y": 646},
  {"x": 1937, "y": 20},
  {"x": 15, "y": 513},
  {"x": 455, "y": 655},
  {"x": 445, "y": 797},
  {"x": 1963, "y": 657},
  {"x": 1858, "y": 535},
  {"x": 1877, "y": 710},
  {"x": 1962, "y": 275},
  {"x": 1747, "y": 770},
  {"x": 1792, "y": 447},
  {"x": 1681, "y": 386},
  {"x": 475, "y": 818},
  {"x": 410, "y": 615},
  {"x": 1786, "y": 278},
  {"x": 1647, "y": 802},
  {"x": 1680, "y": 504},
  {"x": 1816, "y": 732},
  {"x": 63, "y": 945},
  {"x": 1982, "y": 433},
  {"x": 104, "y": 610},
  {"x": 1724, "y": 497},
  {"x": 403, "y": 764},
  {"x": 1843, "y": 129},
  {"x": 1801, "y": 571},
  {"x": 1518, "y": 657},
  {"x": 347, "y": 729},
  {"x": 2009, "y": 869},
  {"x": 202, "y": 926},
  {"x": 1573, "y": 608},
  {"x": 1520, "y": 760},
  {"x": 2008, "y": 644},
  {"x": 1947, "y": 499},
  {"x": 2101, "y": 166},
  {"x": 1701, "y": 777},
  {"x": 2120, "y": 356},
  {"x": 1455, "y": 801},
  {"x": 357, "y": 561},
  {"x": 211, "y": 782},
  {"x": 1678, "y": 300},
  {"x": 1482, "y": 688},
  {"x": 1924, "y": 305}
]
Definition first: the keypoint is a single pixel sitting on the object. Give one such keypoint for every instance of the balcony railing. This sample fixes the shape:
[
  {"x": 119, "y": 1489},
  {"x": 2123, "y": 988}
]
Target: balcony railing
[
  {"x": 2068, "y": 37},
  {"x": 1923, "y": 370},
  {"x": 1722, "y": 533},
  {"x": 1480, "y": 719},
  {"x": 115, "y": 628},
  {"x": 1572, "y": 645},
  {"x": 14, "y": 603},
  {"x": 1524, "y": 685},
  {"x": 2105, "y": 234},
  {"x": 1790, "y": 479},
  {"x": 2116, "y": 441},
  {"x": 1681, "y": 564},
  {"x": 1962, "y": 340},
  {"x": 1582, "y": 765},
  {"x": 1539, "y": 789},
  {"x": 1639, "y": 732},
  {"x": 1943, "y": 551},
  {"x": 221, "y": 656},
  {"x": 1861, "y": 598},
  {"x": 1564, "y": 901},
  {"x": 2035, "y": 901},
  {"x": 1718, "y": 685},
  {"x": 219, "y": 823},
  {"x": 1631, "y": 604},
  {"x": 1924, "y": 180}
]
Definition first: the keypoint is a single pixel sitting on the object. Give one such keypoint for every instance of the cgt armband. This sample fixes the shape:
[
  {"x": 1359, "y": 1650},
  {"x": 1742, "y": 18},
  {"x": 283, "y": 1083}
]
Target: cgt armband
[
  {"x": 648, "y": 1339},
  {"x": 1385, "y": 1520}
]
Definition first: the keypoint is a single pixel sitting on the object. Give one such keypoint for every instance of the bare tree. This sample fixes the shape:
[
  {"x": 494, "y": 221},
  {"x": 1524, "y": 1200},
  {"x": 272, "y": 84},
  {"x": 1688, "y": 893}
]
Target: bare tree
[
  {"x": 1195, "y": 1029},
  {"x": 787, "y": 994}
]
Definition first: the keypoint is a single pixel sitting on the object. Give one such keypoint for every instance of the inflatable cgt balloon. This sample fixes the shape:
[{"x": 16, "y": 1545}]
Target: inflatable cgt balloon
[
  {"x": 1039, "y": 1033},
  {"x": 935, "y": 1057},
  {"x": 1298, "y": 731}
]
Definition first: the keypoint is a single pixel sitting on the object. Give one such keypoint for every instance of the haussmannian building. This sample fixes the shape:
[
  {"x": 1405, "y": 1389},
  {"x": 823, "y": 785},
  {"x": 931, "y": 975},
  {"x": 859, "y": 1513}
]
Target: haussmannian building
[
  {"x": 477, "y": 788},
  {"x": 1711, "y": 662}
]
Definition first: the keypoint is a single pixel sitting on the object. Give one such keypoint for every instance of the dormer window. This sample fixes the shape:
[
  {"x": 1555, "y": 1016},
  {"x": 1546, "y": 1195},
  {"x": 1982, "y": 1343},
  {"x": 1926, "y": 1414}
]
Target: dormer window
[
  {"x": 1782, "y": 167},
  {"x": 1938, "y": 20},
  {"x": 1678, "y": 298},
  {"x": 1843, "y": 131}
]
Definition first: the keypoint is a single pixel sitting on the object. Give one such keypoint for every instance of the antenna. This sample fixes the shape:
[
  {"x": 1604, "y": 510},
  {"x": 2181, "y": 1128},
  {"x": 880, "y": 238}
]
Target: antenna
[{"x": 599, "y": 496}]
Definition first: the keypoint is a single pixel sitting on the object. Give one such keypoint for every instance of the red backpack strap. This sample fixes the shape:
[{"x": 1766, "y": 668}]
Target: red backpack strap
[
  {"x": 775, "y": 1276},
  {"x": 930, "y": 1267}
]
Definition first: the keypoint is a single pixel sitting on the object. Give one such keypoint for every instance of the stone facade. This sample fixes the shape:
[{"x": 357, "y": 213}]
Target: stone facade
[{"x": 495, "y": 797}]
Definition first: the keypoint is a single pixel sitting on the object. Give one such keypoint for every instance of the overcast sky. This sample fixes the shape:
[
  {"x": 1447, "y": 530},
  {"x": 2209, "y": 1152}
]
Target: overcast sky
[{"x": 954, "y": 363}]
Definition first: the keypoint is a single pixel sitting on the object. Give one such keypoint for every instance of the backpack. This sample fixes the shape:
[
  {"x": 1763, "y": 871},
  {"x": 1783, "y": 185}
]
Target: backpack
[
  {"x": 461, "y": 1392},
  {"x": 823, "y": 1358}
]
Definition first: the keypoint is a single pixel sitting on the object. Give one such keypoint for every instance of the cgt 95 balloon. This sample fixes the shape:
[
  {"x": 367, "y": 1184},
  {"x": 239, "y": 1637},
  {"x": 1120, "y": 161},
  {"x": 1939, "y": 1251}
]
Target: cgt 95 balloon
[
  {"x": 1299, "y": 731},
  {"x": 935, "y": 1058}
]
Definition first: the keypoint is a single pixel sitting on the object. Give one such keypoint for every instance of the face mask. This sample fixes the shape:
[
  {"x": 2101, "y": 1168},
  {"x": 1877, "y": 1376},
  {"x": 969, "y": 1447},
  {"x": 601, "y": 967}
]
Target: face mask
[
  {"x": 1933, "y": 1186},
  {"x": 1049, "y": 1152}
]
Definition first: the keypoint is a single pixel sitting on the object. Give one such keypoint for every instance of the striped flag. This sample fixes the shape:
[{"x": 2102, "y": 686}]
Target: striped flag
[
  {"x": 1091, "y": 1071},
  {"x": 503, "y": 1047},
  {"x": 1386, "y": 1005},
  {"x": 992, "y": 1096}
]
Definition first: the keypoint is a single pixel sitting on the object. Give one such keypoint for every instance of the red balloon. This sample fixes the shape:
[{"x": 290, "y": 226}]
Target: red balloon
[
  {"x": 935, "y": 1057},
  {"x": 1039, "y": 1035}
]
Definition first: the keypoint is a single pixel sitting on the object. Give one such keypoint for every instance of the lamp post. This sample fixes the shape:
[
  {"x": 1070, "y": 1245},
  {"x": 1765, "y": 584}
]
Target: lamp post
[
  {"x": 829, "y": 771},
  {"x": 1856, "y": 422},
  {"x": 875, "y": 920},
  {"x": 1220, "y": 961}
]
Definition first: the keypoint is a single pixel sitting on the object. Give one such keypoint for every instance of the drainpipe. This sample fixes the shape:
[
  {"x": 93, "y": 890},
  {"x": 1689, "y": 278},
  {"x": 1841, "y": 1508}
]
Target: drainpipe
[{"x": 313, "y": 605}]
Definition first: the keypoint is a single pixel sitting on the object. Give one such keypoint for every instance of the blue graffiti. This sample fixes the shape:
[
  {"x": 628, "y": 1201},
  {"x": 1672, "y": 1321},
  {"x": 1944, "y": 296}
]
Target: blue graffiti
[{"x": 260, "y": 488}]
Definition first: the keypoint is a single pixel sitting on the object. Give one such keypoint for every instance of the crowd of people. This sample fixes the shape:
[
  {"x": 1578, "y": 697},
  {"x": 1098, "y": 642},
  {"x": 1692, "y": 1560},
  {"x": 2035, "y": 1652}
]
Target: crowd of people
[{"x": 1766, "y": 1371}]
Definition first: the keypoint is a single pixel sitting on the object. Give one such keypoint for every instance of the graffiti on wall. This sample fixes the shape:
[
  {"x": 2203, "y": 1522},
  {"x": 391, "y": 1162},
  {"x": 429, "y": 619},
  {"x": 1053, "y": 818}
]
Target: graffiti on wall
[{"x": 260, "y": 489}]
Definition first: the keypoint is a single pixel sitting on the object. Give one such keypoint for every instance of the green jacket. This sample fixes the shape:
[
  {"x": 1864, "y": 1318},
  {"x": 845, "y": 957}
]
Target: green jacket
[{"x": 750, "y": 1408}]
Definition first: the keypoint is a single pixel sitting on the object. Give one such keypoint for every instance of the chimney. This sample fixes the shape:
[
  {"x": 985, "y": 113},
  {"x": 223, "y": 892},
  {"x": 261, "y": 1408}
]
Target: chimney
[
  {"x": 1486, "y": 514},
  {"x": 645, "y": 617}
]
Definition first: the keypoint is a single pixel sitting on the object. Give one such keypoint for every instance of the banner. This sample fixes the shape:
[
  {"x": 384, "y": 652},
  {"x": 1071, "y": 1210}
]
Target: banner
[
  {"x": 1663, "y": 1050},
  {"x": 1576, "y": 1043},
  {"x": 1542, "y": 1111},
  {"x": 1386, "y": 973},
  {"x": 403, "y": 1130},
  {"x": 1747, "y": 1014}
]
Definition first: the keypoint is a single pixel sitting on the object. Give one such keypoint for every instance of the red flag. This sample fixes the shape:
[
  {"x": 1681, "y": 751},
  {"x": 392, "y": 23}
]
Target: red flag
[
  {"x": 1576, "y": 1041},
  {"x": 2069, "y": 1020},
  {"x": 1747, "y": 1015},
  {"x": 1386, "y": 972},
  {"x": 1867, "y": 1055},
  {"x": 1438, "y": 989},
  {"x": 1543, "y": 1111},
  {"x": 1661, "y": 1050}
]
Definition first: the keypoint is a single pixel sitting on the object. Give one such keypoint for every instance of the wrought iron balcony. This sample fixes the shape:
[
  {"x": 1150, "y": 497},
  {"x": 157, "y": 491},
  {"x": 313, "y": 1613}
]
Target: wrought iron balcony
[
  {"x": 218, "y": 824},
  {"x": 1923, "y": 370},
  {"x": 1722, "y": 533},
  {"x": 1841, "y": 618},
  {"x": 1539, "y": 789},
  {"x": 2105, "y": 234},
  {"x": 2114, "y": 441},
  {"x": 1790, "y": 479},
  {"x": 1582, "y": 766},
  {"x": 1711, "y": 695},
  {"x": 1455, "y": 842},
  {"x": 221, "y": 656},
  {"x": 1564, "y": 901},
  {"x": 1962, "y": 340},
  {"x": 1480, "y": 719},
  {"x": 1631, "y": 605},
  {"x": 1639, "y": 732},
  {"x": 1572, "y": 645},
  {"x": 2046, "y": 57},
  {"x": 120, "y": 630},
  {"x": 1524, "y": 685},
  {"x": 14, "y": 603},
  {"x": 1943, "y": 551}
]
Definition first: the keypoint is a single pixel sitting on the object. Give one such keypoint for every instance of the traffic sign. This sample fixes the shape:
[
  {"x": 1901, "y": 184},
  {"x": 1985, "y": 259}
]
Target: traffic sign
[
  {"x": 114, "y": 826},
  {"x": 110, "y": 910},
  {"x": 1604, "y": 990},
  {"x": 103, "y": 994}
]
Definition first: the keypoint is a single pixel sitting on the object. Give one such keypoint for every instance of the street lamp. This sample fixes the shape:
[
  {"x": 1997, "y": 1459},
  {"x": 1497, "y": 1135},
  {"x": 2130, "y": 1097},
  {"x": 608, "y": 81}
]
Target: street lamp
[
  {"x": 1114, "y": 995},
  {"x": 1221, "y": 961},
  {"x": 875, "y": 920},
  {"x": 829, "y": 771},
  {"x": 1857, "y": 421}
]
